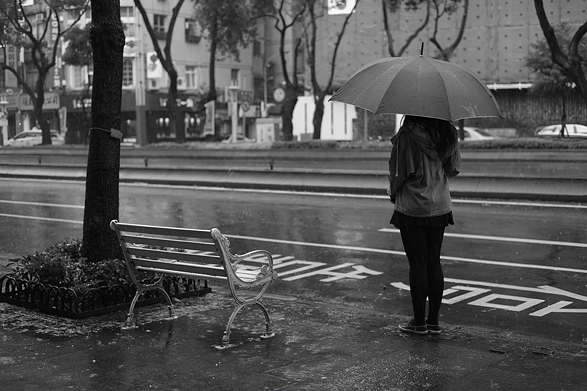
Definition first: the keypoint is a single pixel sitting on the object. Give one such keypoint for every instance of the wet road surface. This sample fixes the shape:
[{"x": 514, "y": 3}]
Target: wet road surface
[{"x": 514, "y": 266}]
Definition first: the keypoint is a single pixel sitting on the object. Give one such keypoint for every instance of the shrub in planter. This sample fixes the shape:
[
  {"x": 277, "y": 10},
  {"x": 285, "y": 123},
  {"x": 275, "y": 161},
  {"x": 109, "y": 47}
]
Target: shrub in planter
[
  {"x": 62, "y": 265},
  {"x": 62, "y": 282}
]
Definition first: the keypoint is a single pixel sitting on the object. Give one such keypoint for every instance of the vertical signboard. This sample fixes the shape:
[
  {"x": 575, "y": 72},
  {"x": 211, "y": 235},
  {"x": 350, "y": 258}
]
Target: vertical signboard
[{"x": 11, "y": 61}]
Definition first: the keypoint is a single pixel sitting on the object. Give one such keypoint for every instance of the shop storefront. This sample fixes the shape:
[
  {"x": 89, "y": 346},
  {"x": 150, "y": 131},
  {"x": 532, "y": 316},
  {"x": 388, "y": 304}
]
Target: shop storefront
[
  {"x": 77, "y": 107},
  {"x": 20, "y": 112}
]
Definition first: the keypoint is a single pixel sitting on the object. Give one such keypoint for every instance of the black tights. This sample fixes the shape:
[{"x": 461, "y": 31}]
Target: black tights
[{"x": 422, "y": 245}]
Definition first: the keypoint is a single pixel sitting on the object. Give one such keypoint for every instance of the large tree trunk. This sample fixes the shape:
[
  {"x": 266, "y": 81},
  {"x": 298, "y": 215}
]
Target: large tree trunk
[
  {"x": 212, "y": 69},
  {"x": 38, "y": 110},
  {"x": 318, "y": 115},
  {"x": 564, "y": 117},
  {"x": 175, "y": 123},
  {"x": 102, "y": 194},
  {"x": 289, "y": 104}
]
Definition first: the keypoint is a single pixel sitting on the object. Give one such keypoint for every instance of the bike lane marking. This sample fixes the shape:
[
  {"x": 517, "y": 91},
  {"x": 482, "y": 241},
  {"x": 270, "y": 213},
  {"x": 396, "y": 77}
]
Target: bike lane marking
[
  {"x": 348, "y": 248},
  {"x": 496, "y": 300},
  {"x": 502, "y": 239}
]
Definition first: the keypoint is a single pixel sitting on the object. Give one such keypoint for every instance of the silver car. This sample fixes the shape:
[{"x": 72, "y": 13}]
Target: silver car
[
  {"x": 571, "y": 130},
  {"x": 30, "y": 138}
]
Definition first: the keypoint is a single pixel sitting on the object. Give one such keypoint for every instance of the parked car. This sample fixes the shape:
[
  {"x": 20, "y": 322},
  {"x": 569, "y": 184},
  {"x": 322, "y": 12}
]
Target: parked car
[
  {"x": 33, "y": 137},
  {"x": 239, "y": 138},
  {"x": 571, "y": 130},
  {"x": 474, "y": 134}
]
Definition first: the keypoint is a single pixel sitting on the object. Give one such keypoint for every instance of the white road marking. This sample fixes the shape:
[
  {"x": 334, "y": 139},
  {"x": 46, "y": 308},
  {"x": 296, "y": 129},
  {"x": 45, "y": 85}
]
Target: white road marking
[
  {"x": 321, "y": 194},
  {"x": 41, "y": 218},
  {"x": 524, "y": 303},
  {"x": 501, "y": 239},
  {"x": 349, "y": 248},
  {"x": 41, "y": 204}
]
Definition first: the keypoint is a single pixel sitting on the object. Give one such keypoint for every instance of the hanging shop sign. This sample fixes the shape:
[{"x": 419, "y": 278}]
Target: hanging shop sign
[{"x": 25, "y": 102}]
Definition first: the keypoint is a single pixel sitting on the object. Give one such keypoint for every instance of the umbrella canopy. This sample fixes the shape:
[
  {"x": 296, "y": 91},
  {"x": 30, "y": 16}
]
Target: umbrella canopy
[{"x": 419, "y": 86}]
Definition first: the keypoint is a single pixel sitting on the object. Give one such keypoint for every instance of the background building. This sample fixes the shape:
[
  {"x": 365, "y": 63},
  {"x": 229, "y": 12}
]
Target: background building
[{"x": 497, "y": 38}]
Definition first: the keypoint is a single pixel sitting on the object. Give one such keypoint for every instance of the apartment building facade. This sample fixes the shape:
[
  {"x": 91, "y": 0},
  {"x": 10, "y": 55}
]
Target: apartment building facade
[{"x": 498, "y": 36}]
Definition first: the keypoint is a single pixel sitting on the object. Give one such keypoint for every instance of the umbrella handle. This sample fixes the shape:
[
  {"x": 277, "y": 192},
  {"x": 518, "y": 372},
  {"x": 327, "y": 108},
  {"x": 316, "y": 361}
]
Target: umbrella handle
[{"x": 422, "y": 48}]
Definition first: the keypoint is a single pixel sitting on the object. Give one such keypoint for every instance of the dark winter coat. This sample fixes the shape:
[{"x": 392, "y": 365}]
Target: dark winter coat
[{"x": 418, "y": 177}]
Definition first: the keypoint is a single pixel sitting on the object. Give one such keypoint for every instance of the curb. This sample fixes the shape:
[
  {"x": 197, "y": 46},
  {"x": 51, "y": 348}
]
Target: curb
[{"x": 349, "y": 182}]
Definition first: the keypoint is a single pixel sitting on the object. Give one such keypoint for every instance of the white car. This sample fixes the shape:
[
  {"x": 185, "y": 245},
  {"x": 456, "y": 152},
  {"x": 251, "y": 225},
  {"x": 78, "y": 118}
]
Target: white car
[
  {"x": 240, "y": 139},
  {"x": 475, "y": 134},
  {"x": 30, "y": 138},
  {"x": 571, "y": 130}
]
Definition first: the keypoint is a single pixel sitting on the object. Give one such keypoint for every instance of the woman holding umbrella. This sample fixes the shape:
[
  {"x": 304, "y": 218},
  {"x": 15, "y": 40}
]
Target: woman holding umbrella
[
  {"x": 425, "y": 154},
  {"x": 431, "y": 93}
]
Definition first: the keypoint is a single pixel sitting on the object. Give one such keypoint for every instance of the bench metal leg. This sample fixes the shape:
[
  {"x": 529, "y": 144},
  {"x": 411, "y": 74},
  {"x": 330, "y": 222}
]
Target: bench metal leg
[
  {"x": 130, "y": 318},
  {"x": 268, "y": 326}
]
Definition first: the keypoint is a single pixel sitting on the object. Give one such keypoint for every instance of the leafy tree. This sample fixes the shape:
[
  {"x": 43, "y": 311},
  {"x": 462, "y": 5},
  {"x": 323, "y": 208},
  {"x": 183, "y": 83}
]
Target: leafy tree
[
  {"x": 228, "y": 25},
  {"x": 167, "y": 62},
  {"x": 287, "y": 14},
  {"x": 79, "y": 48},
  {"x": 102, "y": 178},
  {"x": 316, "y": 9},
  {"x": 79, "y": 53},
  {"x": 552, "y": 79},
  {"x": 19, "y": 27},
  {"x": 569, "y": 58}
]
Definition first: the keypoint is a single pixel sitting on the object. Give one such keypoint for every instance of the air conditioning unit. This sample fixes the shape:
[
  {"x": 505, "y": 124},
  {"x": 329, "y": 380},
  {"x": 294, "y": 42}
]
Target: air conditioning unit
[
  {"x": 153, "y": 85},
  {"x": 40, "y": 17}
]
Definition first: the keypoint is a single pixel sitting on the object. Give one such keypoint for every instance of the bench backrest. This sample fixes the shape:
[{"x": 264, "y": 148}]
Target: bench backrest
[{"x": 181, "y": 251}]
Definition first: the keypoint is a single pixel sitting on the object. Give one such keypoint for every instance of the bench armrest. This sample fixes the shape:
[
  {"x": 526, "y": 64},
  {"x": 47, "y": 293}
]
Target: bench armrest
[{"x": 266, "y": 272}]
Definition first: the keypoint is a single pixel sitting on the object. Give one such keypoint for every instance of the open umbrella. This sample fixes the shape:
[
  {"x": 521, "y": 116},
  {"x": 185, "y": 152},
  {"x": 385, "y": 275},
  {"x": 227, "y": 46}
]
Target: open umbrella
[{"x": 418, "y": 86}]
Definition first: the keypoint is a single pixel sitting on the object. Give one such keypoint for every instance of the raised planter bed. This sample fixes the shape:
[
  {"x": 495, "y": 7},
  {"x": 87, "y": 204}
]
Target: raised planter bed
[{"x": 70, "y": 303}]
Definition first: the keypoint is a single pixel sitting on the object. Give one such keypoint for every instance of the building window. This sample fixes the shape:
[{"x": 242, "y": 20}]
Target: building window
[
  {"x": 126, "y": 12},
  {"x": 193, "y": 31},
  {"x": 90, "y": 74},
  {"x": 127, "y": 79},
  {"x": 192, "y": 78},
  {"x": 128, "y": 21},
  {"x": 234, "y": 77},
  {"x": 159, "y": 26},
  {"x": 77, "y": 77},
  {"x": 257, "y": 48}
]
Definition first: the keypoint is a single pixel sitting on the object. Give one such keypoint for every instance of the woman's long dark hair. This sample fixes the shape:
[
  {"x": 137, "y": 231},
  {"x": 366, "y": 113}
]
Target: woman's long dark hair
[{"x": 442, "y": 132}]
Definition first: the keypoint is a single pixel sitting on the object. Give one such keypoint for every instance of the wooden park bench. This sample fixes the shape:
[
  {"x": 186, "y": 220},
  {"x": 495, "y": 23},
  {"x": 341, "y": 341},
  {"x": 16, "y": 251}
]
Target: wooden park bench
[{"x": 195, "y": 254}]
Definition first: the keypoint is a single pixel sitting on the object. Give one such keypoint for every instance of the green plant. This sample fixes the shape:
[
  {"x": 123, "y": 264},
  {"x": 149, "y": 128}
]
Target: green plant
[{"x": 62, "y": 265}]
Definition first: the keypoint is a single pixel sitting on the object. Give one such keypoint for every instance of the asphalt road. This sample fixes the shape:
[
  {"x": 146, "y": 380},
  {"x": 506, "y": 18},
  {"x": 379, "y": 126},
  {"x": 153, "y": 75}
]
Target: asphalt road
[{"x": 512, "y": 266}]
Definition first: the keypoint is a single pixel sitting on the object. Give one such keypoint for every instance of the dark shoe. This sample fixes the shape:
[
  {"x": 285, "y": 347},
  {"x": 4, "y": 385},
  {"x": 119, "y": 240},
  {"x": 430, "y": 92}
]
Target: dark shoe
[
  {"x": 413, "y": 329},
  {"x": 434, "y": 329}
]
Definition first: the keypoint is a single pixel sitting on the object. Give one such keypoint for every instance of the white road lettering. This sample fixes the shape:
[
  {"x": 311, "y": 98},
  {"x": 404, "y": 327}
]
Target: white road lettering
[{"x": 501, "y": 301}]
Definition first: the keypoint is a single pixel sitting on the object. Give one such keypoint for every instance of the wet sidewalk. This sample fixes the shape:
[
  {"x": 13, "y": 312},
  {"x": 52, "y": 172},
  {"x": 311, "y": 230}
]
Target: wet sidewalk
[{"x": 318, "y": 346}]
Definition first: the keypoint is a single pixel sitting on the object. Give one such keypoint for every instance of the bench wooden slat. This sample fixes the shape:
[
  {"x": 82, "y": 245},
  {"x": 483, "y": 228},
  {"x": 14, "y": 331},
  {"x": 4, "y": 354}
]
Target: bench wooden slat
[
  {"x": 165, "y": 242},
  {"x": 210, "y": 271},
  {"x": 167, "y": 231},
  {"x": 180, "y": 273},
  {"x": 180, "y": 256}
]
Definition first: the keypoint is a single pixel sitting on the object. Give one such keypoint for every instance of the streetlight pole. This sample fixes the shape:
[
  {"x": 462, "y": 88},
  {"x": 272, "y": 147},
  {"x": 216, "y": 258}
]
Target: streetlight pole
[{"x": 3, "y": 119}]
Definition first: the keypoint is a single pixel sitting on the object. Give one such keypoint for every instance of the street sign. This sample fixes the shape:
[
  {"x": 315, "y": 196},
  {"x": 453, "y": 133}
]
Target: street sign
[
  {"x": 3, "y": 122},
  {"x": 245, "y": 106},
  {"x": 245, "y": 96}
]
